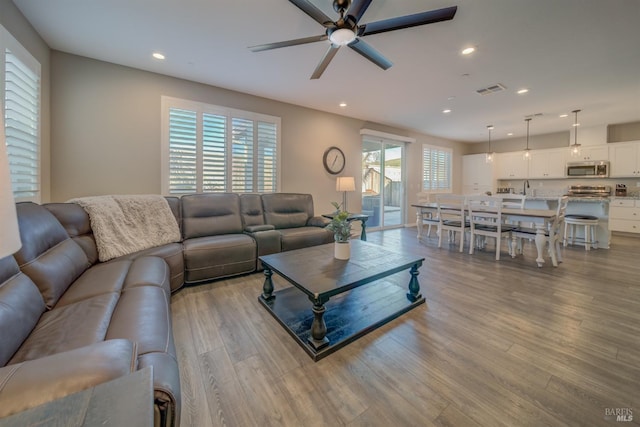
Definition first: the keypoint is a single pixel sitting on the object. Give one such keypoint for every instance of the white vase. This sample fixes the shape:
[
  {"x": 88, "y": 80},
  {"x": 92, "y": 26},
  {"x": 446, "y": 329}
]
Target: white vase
[{"x": 342, "y": 250}]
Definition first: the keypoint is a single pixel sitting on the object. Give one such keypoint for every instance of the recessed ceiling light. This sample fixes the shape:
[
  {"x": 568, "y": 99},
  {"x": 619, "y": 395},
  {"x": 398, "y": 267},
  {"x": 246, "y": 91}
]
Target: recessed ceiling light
[
  {"x": 524, "y": 90},
  {"x": 343, "y": 104},
  {"x": 468, "y": 50},
  {"x": 510, "y": 134},
  {"x": 158, "y": 55},
  {"x": 451, "y": 98},
  {"x": 562, "y": 116},
  {"x": 447, "y": 111}
]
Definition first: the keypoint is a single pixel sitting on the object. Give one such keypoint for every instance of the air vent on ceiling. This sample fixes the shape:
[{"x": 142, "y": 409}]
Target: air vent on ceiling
[{"x": 491, "y": 89}]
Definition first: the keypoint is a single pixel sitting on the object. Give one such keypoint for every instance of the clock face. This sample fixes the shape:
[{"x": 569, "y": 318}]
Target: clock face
[{"x": 333, "y": 160}]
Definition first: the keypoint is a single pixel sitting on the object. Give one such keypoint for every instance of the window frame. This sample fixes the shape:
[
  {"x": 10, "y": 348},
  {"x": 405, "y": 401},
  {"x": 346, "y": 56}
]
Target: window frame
[
  {"x": 8, "y": 42},
  {"x": 432, "y": 190},
  {"x": 230, "y": 114}
]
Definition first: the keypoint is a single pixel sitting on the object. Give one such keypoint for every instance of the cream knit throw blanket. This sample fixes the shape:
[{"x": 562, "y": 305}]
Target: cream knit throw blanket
[{"x": 126, "y": 224}]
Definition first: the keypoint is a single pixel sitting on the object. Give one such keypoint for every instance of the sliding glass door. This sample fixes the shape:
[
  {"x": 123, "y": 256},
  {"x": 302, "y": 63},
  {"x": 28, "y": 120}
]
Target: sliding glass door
[{"x": 383, "y": 189}]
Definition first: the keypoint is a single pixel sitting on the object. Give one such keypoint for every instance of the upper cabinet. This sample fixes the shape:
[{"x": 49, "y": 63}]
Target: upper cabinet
[
  {"x": 600, "y": 152},
  {"x": 625, "y": 159},
  {"x": 478, "y": 176},
  {"x": 547, "y": 164},
  {"x": 512, "y": 166}
]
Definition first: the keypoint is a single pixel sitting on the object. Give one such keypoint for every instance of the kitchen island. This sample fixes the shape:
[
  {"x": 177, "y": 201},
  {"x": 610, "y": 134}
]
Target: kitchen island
[{"x": 596, "y": 206}]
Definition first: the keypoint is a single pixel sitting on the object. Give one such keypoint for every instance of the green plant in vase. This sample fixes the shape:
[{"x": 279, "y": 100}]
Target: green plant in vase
[{"x": 339, "y": 225}]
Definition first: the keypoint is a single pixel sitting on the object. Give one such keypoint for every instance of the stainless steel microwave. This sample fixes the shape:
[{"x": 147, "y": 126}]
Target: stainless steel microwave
[{"x": 593, "y": 169}]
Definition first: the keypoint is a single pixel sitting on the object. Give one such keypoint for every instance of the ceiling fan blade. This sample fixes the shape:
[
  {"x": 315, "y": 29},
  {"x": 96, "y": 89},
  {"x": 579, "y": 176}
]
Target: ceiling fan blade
[
  {"x": 333, "y": 49},
  {"x": 357, "y": 9},
  {"x": 407, "y": 21},
  {"x": 370, "y": 53},
  {"x": 277, "y": 45},
  {"x": 313, "y": 12}
]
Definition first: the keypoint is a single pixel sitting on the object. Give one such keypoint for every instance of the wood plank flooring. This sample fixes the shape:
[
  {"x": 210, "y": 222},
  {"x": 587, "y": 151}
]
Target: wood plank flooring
[{"x": 498, "y": 343}]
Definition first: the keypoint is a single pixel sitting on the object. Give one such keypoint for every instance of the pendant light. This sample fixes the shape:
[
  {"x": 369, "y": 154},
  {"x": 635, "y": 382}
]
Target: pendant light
[
  {"x": 574, "y": 150},
  {"x": 490, "y": 154},
  {"x": 527, "y": 151}
]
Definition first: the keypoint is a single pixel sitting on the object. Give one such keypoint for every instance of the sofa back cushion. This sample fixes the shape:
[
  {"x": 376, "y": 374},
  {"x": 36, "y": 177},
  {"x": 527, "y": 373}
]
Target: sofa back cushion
[
  {"x": 77, "y": 224},
  {"x": 48, "y": 255},
  {"x": 287, "y": 210},
  {"x": 21, "y": 306},
  {"x": 210, "y": 214},
  {"x": 251, "y": 210}
]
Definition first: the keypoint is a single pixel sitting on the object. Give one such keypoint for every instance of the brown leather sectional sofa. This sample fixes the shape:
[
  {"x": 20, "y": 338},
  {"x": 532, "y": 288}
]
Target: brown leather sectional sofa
[{"x": 68, "y": 322}]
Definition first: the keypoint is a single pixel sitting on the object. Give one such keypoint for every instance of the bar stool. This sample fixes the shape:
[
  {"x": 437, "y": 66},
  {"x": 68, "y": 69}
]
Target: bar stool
[{"x": 589, "y": 222}]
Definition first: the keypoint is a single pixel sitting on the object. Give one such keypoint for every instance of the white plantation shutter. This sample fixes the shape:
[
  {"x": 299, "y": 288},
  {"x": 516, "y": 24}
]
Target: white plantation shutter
[
  {"x": 436, "y": 169},
  {"x": 207, "y": 148},
  {"x": 214, "y": 157},
  {"x": 267, "y": 156},
  {"x": 182, "y": 151},
  {"x": 21, "y": 96},
  {"x": 242, "y": 156}
]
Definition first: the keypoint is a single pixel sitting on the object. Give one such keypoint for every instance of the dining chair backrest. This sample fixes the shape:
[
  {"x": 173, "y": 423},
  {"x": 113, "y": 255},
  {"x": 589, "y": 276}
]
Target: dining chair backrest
[
  {"x": 451, "y": 207},
  {"x": 485, "y": 211},
  {"x": 513, "y": 201},
  {"x": 560, "y": 213}
]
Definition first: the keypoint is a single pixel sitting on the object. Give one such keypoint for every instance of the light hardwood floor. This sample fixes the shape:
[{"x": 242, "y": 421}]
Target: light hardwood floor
[{"x": 497, "y": 344}]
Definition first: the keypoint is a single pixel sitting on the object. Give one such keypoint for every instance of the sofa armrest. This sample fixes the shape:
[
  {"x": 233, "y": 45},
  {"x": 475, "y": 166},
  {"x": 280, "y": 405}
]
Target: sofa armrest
[
  {"x": 318, "y": 221},
  {"x": 35, "y": 382},
  {"x": 256, "y": 228}
]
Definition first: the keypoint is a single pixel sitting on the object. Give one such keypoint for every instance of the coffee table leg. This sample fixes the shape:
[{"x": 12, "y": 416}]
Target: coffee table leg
[
  {"x": 267, "y": 287},
  {"x": 318, "y": 337},
  {"x": 414, "y": 286}
]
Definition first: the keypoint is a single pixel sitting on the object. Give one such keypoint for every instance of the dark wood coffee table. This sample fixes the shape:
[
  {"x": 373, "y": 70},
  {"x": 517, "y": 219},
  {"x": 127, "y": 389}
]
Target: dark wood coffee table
[{"x": 341, "y": 309}]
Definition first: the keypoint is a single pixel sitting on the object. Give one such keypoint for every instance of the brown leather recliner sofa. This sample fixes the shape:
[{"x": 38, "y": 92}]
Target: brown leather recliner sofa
[{"x": 68, "y": 322}]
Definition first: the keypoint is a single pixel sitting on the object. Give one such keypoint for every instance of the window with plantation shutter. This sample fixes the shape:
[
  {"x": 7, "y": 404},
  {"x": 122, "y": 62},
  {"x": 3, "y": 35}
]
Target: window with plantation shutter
[
  {"x": 267, "y": 157},
  {"x": 20, "y": 91},
  {"x": 436, "y": 169},
  {"x": 208, "y": 148}
]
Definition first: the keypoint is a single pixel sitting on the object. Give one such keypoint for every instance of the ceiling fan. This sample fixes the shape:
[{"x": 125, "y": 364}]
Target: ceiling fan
[{"x": 346, "y": 31}]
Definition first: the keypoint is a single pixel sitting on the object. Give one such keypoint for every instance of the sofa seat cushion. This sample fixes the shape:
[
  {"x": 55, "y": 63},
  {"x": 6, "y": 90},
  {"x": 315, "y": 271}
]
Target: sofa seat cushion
[
  {"x": 66, "y": 328},
  {"x": 210, "y": 257},
  {"x": 302, "y": 237},
  {"x": 142, "y": 315},
  {"x": 116, "y": 276}
]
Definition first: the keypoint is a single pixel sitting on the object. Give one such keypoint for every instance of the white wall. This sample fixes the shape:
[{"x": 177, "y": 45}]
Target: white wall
[{"x": 106, "y": 134}]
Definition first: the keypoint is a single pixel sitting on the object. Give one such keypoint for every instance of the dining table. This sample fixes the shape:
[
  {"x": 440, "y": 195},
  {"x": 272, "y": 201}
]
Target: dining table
[{"x": 541, "y": 218}]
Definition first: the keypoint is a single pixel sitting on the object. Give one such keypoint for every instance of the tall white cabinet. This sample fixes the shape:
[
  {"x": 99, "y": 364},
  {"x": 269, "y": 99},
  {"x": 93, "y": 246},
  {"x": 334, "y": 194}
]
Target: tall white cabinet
[
  {"x": 478, "y": 176},
  {"x": 625, "y": 159}
]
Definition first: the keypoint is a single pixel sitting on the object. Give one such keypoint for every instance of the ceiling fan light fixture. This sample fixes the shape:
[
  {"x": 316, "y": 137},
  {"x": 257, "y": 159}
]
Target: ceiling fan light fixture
[{"x": 342, "y": 36}]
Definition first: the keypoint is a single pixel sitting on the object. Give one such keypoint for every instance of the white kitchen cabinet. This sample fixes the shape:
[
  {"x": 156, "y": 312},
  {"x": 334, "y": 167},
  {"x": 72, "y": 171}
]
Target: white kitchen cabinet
[
  {"x": 547, "y": 164},
  {"x": 477, "y": 172},
  {"x": 624, "y": 215},
  {"x": 512, "y": 166},
  {"x": 595, "y": 153},
  {"x": 625, "y": 159}
]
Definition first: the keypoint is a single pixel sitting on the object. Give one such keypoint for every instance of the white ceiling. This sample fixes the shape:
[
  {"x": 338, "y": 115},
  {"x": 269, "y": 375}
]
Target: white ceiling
[{"x": 570, "y": 53}]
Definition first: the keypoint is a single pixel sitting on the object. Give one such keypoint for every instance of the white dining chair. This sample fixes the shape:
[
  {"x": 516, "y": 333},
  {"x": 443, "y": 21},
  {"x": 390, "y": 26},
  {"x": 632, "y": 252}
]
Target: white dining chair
[
  {"x": 553, "y": 233},
  {"x": 426, "y": 217},
  {"x": 451, "y": 217},
  {"x": 485, "y": 219}
]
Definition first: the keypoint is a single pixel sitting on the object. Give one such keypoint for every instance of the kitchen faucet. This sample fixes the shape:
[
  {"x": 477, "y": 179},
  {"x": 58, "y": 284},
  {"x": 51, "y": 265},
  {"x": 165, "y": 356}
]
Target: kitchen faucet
[{"x": 525, "y": 185}]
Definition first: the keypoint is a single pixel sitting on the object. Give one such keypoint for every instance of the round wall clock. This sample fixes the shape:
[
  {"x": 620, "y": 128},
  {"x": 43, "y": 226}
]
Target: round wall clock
[{"x": 333, "y": 160}]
